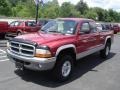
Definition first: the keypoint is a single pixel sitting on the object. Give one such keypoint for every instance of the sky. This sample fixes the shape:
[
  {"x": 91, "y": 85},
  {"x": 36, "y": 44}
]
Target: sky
[{"x": 105, "y": 4}]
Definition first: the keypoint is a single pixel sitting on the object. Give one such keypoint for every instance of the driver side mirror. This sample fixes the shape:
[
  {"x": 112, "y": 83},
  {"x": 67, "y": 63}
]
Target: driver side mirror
[{"x": 84, "y": 31}]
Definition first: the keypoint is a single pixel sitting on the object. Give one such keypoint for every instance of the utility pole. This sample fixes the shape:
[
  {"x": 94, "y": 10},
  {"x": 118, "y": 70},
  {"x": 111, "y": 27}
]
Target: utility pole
[
  {"x": 37, "y": 2},
  {"x": 37, "y": 8}
]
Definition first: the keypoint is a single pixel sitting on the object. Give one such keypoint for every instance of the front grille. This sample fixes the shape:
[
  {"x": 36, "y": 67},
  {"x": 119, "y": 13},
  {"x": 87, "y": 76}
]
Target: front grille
[{"x": 22, "y": 48}]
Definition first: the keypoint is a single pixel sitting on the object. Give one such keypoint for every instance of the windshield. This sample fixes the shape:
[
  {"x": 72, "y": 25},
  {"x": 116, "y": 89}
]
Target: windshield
[{"x": 60, "y": 26}]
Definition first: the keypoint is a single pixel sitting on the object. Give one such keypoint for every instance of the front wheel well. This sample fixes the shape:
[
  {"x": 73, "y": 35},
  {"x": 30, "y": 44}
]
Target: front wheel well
[
  {"x": 109, "y": 40},
  {"x": 19, "y": 31},
  {"x": 67, "y": 51}
]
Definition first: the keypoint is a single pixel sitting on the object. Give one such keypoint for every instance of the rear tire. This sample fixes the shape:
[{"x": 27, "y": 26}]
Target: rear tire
[
  {"x": 64, "y": 68},
  {"x": 105, "y": 52},
  {"x": 19, "y": 33}
]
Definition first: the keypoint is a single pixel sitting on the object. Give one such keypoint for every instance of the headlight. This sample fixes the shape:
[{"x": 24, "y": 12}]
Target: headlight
[{"x": 43, "y": 52}]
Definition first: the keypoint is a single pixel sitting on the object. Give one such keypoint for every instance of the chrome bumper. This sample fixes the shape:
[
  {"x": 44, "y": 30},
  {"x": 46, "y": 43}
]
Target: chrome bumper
[{"x": 33, "y": 63}]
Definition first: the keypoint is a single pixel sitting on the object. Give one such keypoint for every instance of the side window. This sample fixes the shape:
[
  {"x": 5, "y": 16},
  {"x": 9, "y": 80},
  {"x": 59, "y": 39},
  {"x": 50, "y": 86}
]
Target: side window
[
  {"x": 30, "y": 24},
  {"x": 17, "y": 23},
  {"x": 12, "y": 24},
  {"x": 93, "y": 27},
  {"x": 85, "y": 28},
  {"x": 99, "y": 27}
]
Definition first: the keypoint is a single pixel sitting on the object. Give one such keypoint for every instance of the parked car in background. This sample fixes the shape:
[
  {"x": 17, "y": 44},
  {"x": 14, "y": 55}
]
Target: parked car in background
[
  {"x": 58, "y": 45},
  {"x": 3, "y": 28},
  {"x": 42, "y": 22},
  {"x": 107, "y": 26},
  {"x": 103, "y": 26},
  {"x": 22, "y": 27},
  {"x": 116, "y": 28}
]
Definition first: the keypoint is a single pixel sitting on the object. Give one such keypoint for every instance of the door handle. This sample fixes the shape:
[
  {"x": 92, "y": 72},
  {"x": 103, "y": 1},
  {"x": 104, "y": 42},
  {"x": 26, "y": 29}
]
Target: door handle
[
  {"x": 92, "y": 40},
  {"x": 85, "y": 41},
  {"x": 102, "y": 37}
]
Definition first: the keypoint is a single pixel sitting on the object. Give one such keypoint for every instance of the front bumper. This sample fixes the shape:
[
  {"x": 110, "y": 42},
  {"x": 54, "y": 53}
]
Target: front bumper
[{"x": 33, "y": 63}]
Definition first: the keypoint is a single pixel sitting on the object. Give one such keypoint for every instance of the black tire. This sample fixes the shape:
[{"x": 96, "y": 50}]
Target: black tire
[
  {"x": 105, "y": 52},
  {"x": 19, "y": 33},
  {"x": 58, "y": 70}
]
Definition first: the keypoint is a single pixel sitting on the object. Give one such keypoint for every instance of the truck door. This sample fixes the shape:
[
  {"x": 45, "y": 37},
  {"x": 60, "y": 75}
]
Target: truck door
[
  {"x": 12, "y": 26},
  {"x": 83, "y": 40},
  {"x": 94, "y": 36},
  {"x": 31, "y": 26}
]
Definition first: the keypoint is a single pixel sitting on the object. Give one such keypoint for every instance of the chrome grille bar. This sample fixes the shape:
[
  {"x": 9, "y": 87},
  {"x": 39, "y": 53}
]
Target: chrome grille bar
[{"x": 22, "y": 48}]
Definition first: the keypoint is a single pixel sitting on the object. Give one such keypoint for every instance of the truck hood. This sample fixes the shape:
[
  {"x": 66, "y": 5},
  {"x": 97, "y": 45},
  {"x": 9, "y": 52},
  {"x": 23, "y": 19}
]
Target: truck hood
[{"x": 43, "y": 38}]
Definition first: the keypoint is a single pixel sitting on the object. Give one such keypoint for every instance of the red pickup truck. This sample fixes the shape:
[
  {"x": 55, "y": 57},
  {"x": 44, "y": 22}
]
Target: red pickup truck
[
  {"x": 3, "y": 28},
  {"x": 58, "y": 45},
  {"x": 22, "y": 27},
  {"x": 116, "y": 28}
]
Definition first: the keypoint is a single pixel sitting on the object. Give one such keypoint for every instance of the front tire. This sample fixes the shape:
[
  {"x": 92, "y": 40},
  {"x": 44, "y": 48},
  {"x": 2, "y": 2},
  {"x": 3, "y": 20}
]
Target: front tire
[
  {"x": 64, "y": 68},
  {"x": 105, "y": 52},
  {"x": 19, "y": 33}
]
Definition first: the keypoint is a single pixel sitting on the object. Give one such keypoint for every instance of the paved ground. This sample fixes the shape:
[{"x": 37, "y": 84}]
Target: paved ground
[{"x": 91, "y": 73}]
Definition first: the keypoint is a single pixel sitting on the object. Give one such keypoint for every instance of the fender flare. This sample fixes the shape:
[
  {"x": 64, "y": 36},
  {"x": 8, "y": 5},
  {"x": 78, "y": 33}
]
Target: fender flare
[
  {"x": 19, "y": 30},
  {"x": 65, "y": 47},
  {"x": 108, "y": 37}
]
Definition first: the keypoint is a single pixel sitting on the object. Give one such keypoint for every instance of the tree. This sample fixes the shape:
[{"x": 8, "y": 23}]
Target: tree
[
  {"x": 100, "y": 12},
  {"x": 26, "y": 9},
  {"x": 114, "y": 16},
  {"x": 55, "y": 2},
  {"x": 91, "y": 14},
  {"x": 5, "y": 8},
  {"x": 15, "y": 2},
  {"x": 50, "y": 10},
  {"x": 107, "y": 16},
  {"x": 82, "y": 7},
  {"x": 68, "y": 10}
]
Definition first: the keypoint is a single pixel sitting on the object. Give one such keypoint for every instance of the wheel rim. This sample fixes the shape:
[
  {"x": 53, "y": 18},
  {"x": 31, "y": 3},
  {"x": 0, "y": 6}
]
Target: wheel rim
[
  {"x": 107, "y": 50},
  {"x": 19, "y": 34},
  {"x": 66, "y": 68}
]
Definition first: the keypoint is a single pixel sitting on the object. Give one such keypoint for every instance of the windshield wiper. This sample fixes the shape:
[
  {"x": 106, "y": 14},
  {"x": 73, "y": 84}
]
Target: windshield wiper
[
  {"x": 54, "y": 31},
  {"x": 42, "y": 30}
]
